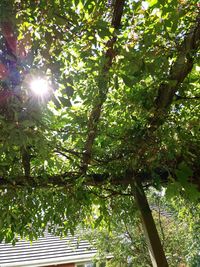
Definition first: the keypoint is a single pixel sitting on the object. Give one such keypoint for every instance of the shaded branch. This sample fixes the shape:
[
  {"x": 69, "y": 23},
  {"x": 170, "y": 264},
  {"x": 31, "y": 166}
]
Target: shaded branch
[
  {"x": 178, "y": 72},
  {"x": 69, "y": 179},
  {"x": 65, "y": 179},
  {"x": 117, "y": 14},
  {"x": 26, "y": 160},
  {"x": 167, "y": 90},
  {"x": 62, "y": 154},
  {"x": 102, "y": 86},
  {"x": 177, "y": 97},
  {"x": 69, "y": 151}
]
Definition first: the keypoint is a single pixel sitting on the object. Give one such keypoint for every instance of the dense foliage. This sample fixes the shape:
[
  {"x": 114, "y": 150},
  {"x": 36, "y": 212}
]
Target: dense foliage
[
  {"x": 178, "y": 226},
  {"x": 123, "y": 102}
]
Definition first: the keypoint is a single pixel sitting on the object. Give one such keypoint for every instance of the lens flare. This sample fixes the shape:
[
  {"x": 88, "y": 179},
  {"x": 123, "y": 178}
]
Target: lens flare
[{"x": 39, "y": 86}]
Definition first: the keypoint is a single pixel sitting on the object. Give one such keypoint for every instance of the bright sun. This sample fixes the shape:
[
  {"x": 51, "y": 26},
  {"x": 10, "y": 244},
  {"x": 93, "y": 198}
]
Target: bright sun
[{"x": 39, "y": 86}]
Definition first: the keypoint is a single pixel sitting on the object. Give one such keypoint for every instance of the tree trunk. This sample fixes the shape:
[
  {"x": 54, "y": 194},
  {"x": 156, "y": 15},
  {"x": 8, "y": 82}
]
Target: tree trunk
[{"x": 154, "y": 244}]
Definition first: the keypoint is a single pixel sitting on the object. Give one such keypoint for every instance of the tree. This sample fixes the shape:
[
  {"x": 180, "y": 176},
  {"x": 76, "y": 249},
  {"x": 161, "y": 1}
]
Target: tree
[
  {"x": 125, "y": 241},
  {"x": 122, "y": 110}
]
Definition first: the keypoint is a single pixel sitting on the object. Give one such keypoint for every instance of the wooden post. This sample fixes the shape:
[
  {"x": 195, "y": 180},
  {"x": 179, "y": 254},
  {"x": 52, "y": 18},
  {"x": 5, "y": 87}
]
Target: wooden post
[{"x": 154, "y": 244}]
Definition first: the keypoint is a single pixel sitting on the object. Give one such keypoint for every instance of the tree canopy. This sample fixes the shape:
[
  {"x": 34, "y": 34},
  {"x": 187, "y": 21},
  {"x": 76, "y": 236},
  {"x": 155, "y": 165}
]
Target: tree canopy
[{"x": 122, "y": 103}]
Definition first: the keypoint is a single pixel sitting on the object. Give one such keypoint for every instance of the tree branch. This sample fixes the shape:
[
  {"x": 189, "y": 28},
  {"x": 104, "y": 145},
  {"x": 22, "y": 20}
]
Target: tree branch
[
  {"x": 103, "y": 87},
  {"x": 69, "y": 179},
  {"x": 69, "y": 151},
  {"x": 178, "y": 72},
  {"x": 186, "y": 98},
  {"x": 167, "y": 90}
]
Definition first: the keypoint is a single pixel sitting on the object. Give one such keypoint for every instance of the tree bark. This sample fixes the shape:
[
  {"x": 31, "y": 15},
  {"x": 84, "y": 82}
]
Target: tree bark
[{"x": 156, "y": 251}]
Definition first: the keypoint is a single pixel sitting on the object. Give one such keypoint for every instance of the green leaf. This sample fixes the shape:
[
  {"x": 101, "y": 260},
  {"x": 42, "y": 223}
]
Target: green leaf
[
  {"x": 152, "y": 2},
  {"x": 128, "y": 81},
  {"x": 65, "y": 101},
  {"x": 183, "y": 172},
  {"x": 98, "y": 221}
]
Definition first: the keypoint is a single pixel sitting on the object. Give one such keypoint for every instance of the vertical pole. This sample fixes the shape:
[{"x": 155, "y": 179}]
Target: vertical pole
[{"x": 151, "y": 234}]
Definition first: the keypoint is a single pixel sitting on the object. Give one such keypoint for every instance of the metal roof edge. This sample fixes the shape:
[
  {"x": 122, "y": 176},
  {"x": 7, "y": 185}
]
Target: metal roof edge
[{"x": 56, "y": 261}]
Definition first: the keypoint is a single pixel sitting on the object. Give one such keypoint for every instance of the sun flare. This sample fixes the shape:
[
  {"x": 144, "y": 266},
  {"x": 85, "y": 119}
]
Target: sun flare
[{"x": 39, "y": 86}]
